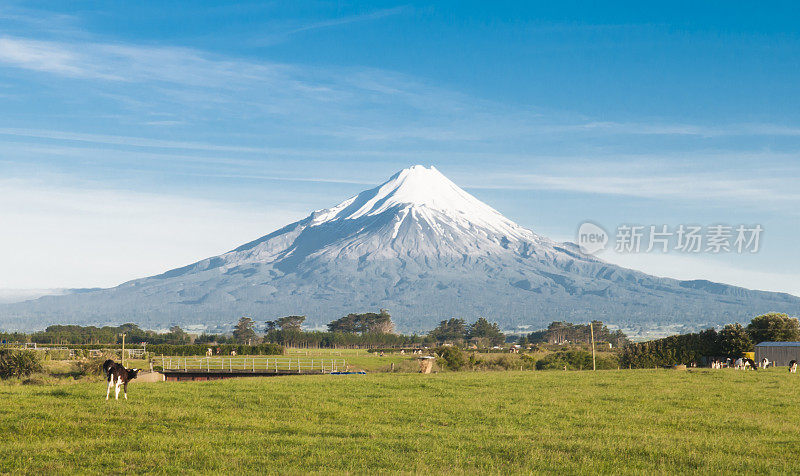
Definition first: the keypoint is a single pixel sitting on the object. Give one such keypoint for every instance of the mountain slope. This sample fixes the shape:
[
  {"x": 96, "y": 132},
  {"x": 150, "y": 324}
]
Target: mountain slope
[{"x": 419, "y": 246}]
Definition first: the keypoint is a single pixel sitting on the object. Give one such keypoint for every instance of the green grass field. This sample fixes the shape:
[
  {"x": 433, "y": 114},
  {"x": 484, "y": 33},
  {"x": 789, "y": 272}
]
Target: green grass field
[
  {"x": 486, "y": 422},
  {"x": 357, "y": 359}
]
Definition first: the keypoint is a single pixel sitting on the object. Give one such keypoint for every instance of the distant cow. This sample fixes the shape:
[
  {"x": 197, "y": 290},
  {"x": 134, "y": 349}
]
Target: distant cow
[
  {"x": 738, "y": 364},
  {"x": 750, "y": 364},
  {"x": 793, "y": 366},
  {"x": 118, "y": 375},
  {"x": 764, "y": 363}
]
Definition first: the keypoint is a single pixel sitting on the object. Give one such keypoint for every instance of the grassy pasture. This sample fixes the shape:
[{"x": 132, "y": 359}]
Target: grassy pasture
[
  {"x": 358, "y": 359},
  {"x": 625, "y": 421}
]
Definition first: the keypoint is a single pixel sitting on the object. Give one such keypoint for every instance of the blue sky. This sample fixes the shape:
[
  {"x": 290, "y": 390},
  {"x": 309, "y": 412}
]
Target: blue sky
[{"x": 140, "y": 136}]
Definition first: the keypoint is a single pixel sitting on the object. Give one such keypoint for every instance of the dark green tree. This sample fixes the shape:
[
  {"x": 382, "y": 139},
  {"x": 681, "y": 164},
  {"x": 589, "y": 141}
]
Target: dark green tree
[
  {"x": 133, "y": 334},
  {"x": 452, "y": 331},
  {"x": 348, "y": 324},
  {"x": 243, "y": 331},
  {"x": 734, "y": 341},
  {"x": 482, "y": 330},
  {"x": 774, "y": 327},
  {"x": 617, "y": 338},
  {"x": 290, "y": 323},
  {"x": 370, "y": 322},
  {"x": 178, "y": 336},
  {"x": 451, "y": 358},
  {"x": 212, "y": 339},
  {"x": 537, "y": 337},
  {"x": 559, "y": 332},
  {"x": 380, "y": 323}
]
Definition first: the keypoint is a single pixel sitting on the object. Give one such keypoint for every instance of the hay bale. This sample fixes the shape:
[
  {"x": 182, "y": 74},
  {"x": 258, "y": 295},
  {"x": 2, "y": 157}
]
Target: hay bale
[
  {"x": 149, "y": 377},
  {"x": 426, "y": 364}
]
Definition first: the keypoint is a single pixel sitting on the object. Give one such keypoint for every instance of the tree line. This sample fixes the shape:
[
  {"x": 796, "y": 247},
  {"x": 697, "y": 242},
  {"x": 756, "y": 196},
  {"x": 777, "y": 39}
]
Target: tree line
[
  {"x": 732, "y": 341},
  {"x": 83, "y": 335},
  {"x": 561, "y": 332},
  {"x": 364, "y": 330},
  {"x": 481, "y": 333}
]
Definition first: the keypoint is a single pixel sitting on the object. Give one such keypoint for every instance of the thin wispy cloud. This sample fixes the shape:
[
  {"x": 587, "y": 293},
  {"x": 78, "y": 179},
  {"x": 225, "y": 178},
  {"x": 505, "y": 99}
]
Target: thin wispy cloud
[
  {"x": 133, "y": 63},
  {"x": 282, "y": 33},
  {"x": 688, "y": 129},
  {"x": 236, "y": 90},
  {"x": 23, "y": 19},
  {"x": 341, "y": 103},
  {"x": 663, "y": 177},
  {"x": 49, "y": 57},
  {"x": 128, "y": 141},
  {"x": 362, "y": 17},
  {"x": 758, "y": 191},
  {"x": 278, "y": 178}
]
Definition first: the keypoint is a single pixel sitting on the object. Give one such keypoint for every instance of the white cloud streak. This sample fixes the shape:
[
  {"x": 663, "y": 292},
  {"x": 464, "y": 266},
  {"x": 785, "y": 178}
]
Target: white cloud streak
[
  {"x": 374, "y": 15},
  {"x": 67, "y": 236},
  {"x": 754, "y": 190},
  {"x": 49, "y": 57},
  {"x": 342, "y": 103},
  {"x": 284, "y": 33}
]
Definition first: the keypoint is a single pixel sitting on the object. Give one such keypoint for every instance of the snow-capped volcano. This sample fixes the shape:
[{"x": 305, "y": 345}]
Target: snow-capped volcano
[
  {"x": 417, "y": 245},
  {"x": 417, "y": 213},
  {"x": 426, "y": 195}
]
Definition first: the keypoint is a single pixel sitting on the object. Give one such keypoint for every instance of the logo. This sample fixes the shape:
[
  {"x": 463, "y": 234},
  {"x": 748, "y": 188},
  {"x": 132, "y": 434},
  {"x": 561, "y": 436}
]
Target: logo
[{"x": 591, "y": 238}]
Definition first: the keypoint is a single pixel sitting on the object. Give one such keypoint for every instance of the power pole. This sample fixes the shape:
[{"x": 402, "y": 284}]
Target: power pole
[
  {"x": 123, "y": 349},
  {"x": 591, "y": 330}
]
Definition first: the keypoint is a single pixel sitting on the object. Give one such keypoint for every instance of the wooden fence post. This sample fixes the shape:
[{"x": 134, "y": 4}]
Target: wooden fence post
[{"x": 591, "y": 329}]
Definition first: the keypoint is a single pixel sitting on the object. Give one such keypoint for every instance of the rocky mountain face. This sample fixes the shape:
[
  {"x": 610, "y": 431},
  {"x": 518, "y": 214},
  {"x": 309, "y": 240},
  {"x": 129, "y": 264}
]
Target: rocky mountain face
[{"x": 417, "y": 245}]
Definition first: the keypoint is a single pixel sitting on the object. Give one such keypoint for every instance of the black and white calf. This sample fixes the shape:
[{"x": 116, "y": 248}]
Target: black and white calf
[
  {"x": 793, "y": 366},
  {"x": 118, "y": 375}
]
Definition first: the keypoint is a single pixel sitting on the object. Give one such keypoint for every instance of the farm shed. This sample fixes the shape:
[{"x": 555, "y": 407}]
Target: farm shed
[{"x": 778, "y": 352}]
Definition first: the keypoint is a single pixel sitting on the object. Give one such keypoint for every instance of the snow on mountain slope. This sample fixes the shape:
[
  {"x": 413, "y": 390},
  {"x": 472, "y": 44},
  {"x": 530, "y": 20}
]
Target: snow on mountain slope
[
  {"x": 418, "y": 213},
  {"x": 425, "y": 191},
  {"x": 419, "y": 246}
]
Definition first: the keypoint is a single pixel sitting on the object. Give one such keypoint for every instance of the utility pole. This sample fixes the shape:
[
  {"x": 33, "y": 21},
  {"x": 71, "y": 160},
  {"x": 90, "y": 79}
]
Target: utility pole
[
  {"x": 123, "y": 349},
  {"x": 591, "y": 330}
]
